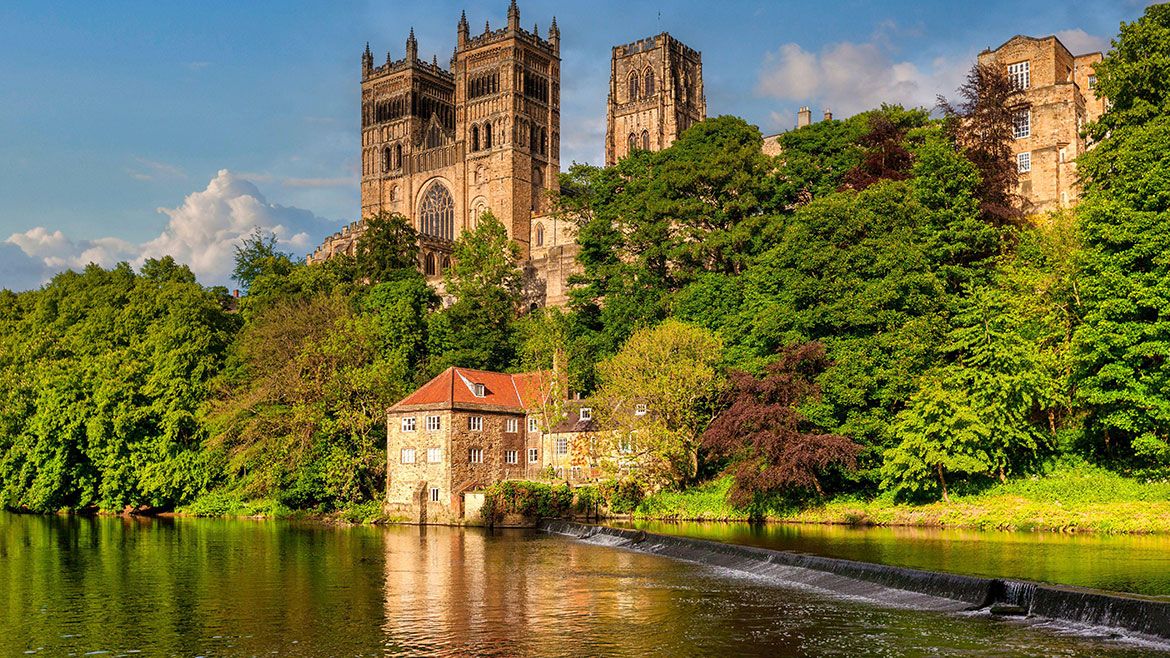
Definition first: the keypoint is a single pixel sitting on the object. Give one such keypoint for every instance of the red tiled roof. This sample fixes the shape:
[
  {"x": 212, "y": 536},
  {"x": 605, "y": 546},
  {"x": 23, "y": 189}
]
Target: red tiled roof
[{"x": 457, "y": 385}]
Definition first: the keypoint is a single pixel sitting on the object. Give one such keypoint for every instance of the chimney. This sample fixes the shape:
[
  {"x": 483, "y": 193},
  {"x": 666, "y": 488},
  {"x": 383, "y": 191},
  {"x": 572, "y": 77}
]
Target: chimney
[
  {"x": 803, "y": 117},
  {"x": 236, "y": 293},
  {"x": 828, "y": 115}
]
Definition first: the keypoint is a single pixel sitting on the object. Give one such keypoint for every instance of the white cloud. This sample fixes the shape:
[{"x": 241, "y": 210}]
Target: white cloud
[
  {"x": 850, "y": 77},
  {"x": 1080, "y": 42},
  {"x": 202, "y": 232}
]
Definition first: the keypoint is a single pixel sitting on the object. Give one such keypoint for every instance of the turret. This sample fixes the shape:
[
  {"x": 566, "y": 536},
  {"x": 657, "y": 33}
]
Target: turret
[
  {"x": 463, "y": 29},
  {"x": 367, "y": 61},
  {"x": 554, "y": 35},
  {"x": 411, "y": 47},
  {"x": 513, "y": 17}
]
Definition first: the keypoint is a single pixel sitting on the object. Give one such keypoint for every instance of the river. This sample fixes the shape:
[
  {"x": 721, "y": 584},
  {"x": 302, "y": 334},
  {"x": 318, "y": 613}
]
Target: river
[{"x": 201, "y": 587}]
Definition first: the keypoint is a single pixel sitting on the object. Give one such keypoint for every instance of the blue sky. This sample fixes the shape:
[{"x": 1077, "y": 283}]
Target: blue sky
[{"x": 133, "y": 129}]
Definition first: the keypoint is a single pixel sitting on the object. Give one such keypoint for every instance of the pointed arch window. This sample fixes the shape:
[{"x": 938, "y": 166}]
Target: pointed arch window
[
  {"x": 446, "y": 263},
  {"x": 397, "y": 156},
  {"x": 633, "y": 86},
  {"x": 437, "y": 212},
  {"x": 649, "y": 87},
  {"x": 539, "y": 235},
  {"x": 487, "y": 135},
  {"x": 646, "y": 140},
  {"x": 475, "y": 138},
  {"x": 429, "y": 267},
  {"x": 633, "y": 142},
  {"x": 386, "y": 159}
]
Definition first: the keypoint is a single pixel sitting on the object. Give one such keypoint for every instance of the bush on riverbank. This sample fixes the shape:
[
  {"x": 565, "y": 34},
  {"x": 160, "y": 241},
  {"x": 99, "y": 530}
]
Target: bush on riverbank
[
  {"x": 1071, "y": 497},
  {"x": 532, "y": 500}
]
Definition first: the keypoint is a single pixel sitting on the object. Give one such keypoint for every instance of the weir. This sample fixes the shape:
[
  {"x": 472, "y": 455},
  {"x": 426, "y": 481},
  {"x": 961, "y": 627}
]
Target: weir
[{"x": 898, "y": 586}]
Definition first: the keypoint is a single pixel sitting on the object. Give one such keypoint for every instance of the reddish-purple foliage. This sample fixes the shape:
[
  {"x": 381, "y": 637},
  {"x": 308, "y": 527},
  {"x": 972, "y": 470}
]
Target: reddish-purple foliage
[
  {"x": 885, "y": 157},
  {"x": 981, "y": 126},
  {"x": 772, "y": 445}
]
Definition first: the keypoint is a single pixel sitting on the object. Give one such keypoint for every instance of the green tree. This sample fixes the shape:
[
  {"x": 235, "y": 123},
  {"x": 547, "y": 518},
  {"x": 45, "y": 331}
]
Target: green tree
[
  {"x": 484, "y": 280},
  {"x": 675, "y": 369},
  {"x": 257, "y": 255},
  {"x": 387, "y": 248},
  {"x": 1133, "y": 75}
]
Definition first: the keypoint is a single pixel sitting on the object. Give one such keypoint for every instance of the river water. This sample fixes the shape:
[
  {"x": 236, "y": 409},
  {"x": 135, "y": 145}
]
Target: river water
[{"x": 193, "y": 587}]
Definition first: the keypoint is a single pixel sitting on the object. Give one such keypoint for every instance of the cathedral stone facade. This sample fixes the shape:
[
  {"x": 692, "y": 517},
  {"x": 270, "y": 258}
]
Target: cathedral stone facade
[
  {"x": 655, "y": 93},
  {"x": 441, "y": 146}
]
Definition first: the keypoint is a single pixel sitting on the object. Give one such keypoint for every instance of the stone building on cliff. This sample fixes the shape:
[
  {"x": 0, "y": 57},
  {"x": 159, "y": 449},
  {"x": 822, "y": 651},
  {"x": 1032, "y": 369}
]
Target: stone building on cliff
[{"x": 1057, "y": 100}]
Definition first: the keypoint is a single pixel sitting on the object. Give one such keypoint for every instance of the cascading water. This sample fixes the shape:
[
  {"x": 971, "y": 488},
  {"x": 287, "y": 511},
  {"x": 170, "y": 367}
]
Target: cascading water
[{"x": 896, "y": 585}]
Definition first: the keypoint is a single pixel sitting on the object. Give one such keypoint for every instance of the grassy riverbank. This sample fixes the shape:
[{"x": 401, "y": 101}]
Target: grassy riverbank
[{"x": 1068, "y": 499}]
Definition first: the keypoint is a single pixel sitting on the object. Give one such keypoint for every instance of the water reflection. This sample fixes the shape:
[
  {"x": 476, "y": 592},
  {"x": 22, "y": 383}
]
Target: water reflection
[
  {"x": 227, "y": 588},
  {"x": 1123, "y": 563}
]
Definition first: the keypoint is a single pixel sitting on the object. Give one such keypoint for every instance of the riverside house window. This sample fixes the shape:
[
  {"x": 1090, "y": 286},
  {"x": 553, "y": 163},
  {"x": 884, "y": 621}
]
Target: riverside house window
[
  {"x": 479, "y": 391},
  {"x": 475, "y": 423},
  {"x": 1024, "y": 162},
  {"x": 408, "y": 424},
  {"x": 475, "y": 455},
  {"x": 531, "y": 424},
  {"x": 533, "y": 455},
  {"x": 1019, "y": 75},
  {"x": 1022, "y": 123},
  {"x": 586, "y": 413},
  {"x": 562, "y": 445},
  {"x": 434, "y": 423},
  {"x": 408, "y": 455},
  {"x": 434, "y": 455},
  {"x": 511, "y": 456},
  {"x": 512, "y": 426},
  {"x": 639, "y": 410},
  {"x": 434, "y": 495}
]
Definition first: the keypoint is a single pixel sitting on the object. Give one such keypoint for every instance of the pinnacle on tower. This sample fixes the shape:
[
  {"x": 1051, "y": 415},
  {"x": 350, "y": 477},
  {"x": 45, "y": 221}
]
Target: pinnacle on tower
[
  {"x": 487, "y": 27},
  {"x": 536, "y": 28},
  {"x": 462, "y": 29},
  {"x": 435, "y": 60},
  {"x": 411, "y": 47},
  {"x": 513, "y": 16},
  {"x": 367, "y": 59}
]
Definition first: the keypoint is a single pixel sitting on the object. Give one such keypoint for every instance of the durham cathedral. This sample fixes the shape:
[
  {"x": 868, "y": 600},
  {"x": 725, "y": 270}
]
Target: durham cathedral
[{"x": 441, "y": 146}]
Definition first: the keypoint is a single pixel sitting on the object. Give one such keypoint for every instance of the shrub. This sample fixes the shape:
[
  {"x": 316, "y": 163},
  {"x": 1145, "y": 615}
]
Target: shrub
[
  {"x": 621, "y": 496},
  {"x": 535, "y": 500}
]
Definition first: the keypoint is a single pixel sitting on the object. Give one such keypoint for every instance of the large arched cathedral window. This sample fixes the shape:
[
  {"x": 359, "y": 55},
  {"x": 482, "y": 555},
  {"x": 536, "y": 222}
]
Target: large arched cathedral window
[{"x": 436, "y": 213}]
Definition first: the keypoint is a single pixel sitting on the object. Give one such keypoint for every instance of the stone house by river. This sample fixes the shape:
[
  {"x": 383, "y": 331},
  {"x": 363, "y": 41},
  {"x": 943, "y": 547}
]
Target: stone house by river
[{"x": 467, "y": 429}]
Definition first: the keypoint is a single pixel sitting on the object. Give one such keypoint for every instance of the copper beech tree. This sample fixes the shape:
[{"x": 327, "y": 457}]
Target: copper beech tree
[{"x": 772, "y": 445}]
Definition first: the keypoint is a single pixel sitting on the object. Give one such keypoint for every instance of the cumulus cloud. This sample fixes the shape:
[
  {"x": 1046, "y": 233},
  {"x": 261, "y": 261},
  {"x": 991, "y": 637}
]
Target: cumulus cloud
[
  {"x": 202, "y": 232},
  {"x": 849, "y": 77},
  {"x": 1080, "y": 42}
]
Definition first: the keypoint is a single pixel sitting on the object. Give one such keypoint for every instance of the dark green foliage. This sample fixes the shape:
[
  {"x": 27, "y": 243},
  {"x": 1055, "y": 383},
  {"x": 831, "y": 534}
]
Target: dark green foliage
[
  {"x": 532, "y": 500},
  {"x": 1121, "y": 346},
  {"x": 622, "y": 496},
  {"x": 387, "y": 248},
  {"x": 256, "y": 255},
  {"x": 102, "y": 375}
]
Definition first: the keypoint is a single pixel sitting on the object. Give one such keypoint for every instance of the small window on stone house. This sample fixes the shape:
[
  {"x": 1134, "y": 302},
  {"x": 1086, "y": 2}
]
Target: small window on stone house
[
  {"x": 434, "y": 494},
  {"x": 408, "y": 455},
  {"x": 1022, "y": 123},
  {"x": 475, "y": 455},
  {"x": 539, "y": 239},
  {"x": 512, "y": 426},
  {"x": 533, "y": 455},
  {"x": 434, "y": 423},
  {"x": 434, "y": 455},
  {"x": 511, "y": 456},
  {"x": 408, "y": 424},
  {"x": 475, "y": 423},
  {"x": 562, "y": 445},
  {"x": 586, "y": 413},
  {"x": 1024, "y": 162},
  {"x": 1020, "y": 75},
  {"x": 532, "y": 425},
  {"x": 480, "y": 391}
]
